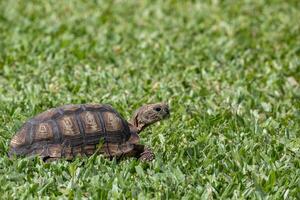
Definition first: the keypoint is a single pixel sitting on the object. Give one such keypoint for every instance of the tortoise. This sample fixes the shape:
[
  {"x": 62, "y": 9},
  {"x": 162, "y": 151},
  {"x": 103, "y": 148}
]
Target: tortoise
[{"x": 84, "y": 129}]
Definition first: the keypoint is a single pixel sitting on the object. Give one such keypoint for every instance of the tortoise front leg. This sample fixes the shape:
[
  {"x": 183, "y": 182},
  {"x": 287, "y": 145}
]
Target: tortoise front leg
[{"x": 143, "y": 153}]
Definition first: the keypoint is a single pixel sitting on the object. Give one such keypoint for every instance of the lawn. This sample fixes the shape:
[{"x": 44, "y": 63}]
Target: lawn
[{"x": 230, "y": 71}]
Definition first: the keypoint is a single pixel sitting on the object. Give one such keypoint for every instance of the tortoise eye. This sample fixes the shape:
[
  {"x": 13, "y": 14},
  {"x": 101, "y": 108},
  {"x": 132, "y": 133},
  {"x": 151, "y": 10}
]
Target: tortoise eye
[{"x": 157, "y": 109}]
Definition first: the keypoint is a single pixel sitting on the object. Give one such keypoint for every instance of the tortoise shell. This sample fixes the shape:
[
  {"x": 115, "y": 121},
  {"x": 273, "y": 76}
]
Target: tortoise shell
[{"x": 73, "y": 130}]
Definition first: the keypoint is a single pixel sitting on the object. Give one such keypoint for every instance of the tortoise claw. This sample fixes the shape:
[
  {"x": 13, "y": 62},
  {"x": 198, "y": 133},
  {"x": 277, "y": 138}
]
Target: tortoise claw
[{"x": 147, "y": 155}]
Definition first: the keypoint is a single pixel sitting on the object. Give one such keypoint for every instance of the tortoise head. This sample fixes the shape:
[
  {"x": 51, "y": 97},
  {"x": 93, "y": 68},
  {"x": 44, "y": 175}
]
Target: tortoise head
[{"x": 149, "y": 114}]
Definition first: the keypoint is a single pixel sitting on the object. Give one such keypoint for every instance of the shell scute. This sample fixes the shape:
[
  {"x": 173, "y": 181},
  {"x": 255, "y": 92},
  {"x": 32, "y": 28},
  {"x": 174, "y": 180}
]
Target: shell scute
[
  {"x": 112, "y": 121},
  {"x": 20, "y": 138},
  {"x": 70, "y": 108},
  {"x": 44, "y": 131},
  {"x": 90, "y": 122},
  {"x": 55, "y": 150},
  {"x": 74, "y": 130},
  {"x": 68, "y": 125},
  {"x": 46, "y": 115},
  {"x": 93, "y": 106}
]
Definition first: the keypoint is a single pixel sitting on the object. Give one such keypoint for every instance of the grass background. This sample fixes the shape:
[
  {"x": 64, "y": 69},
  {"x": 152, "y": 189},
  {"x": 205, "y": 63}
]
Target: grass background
[{"x": 230, "y": 71}]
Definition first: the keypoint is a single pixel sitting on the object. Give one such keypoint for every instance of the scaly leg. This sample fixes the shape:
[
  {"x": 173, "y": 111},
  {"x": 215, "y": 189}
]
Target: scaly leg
[{"x": 143, "y": 153}]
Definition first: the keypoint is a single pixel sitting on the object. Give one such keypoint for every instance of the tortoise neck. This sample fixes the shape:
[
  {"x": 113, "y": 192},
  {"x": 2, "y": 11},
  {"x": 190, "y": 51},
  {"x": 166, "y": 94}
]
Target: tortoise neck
[
  {"x": 136, "y": 126},
  {"x": 136, "y": 121}
]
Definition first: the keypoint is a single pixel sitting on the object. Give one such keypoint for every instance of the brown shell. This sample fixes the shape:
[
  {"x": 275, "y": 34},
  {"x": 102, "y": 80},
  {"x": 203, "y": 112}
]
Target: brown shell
[{"x": 74, "y": 130}]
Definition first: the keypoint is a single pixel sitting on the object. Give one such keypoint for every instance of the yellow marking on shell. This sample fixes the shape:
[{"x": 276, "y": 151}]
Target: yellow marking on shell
[
  {"x": 17, "y": 141},
  {"x": 69, "y": 126},
  {"x": 112, "y": 121},
  {"x": 44, "y": 131},
  {"x": 70, "y": 107},
  {"x": 19, "y": 138},
  {"x": 90, "y": 123},
  {"x": 55, "y": 150},
  {"x": 93, "y": 105}
]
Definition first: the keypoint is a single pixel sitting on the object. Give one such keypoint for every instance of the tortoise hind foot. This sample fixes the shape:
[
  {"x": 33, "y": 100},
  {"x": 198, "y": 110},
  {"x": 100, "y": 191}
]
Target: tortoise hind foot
[{"x": 147, "y": 155}]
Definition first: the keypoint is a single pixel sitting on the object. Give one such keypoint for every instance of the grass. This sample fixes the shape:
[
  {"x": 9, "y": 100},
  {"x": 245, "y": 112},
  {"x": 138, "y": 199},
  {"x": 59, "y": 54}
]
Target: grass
[{"x": 230, "y": 71}]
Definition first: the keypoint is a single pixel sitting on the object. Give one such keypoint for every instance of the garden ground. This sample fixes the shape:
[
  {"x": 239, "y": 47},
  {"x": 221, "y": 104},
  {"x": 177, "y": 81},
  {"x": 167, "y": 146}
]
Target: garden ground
[{"x": 230, "y": 71}]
